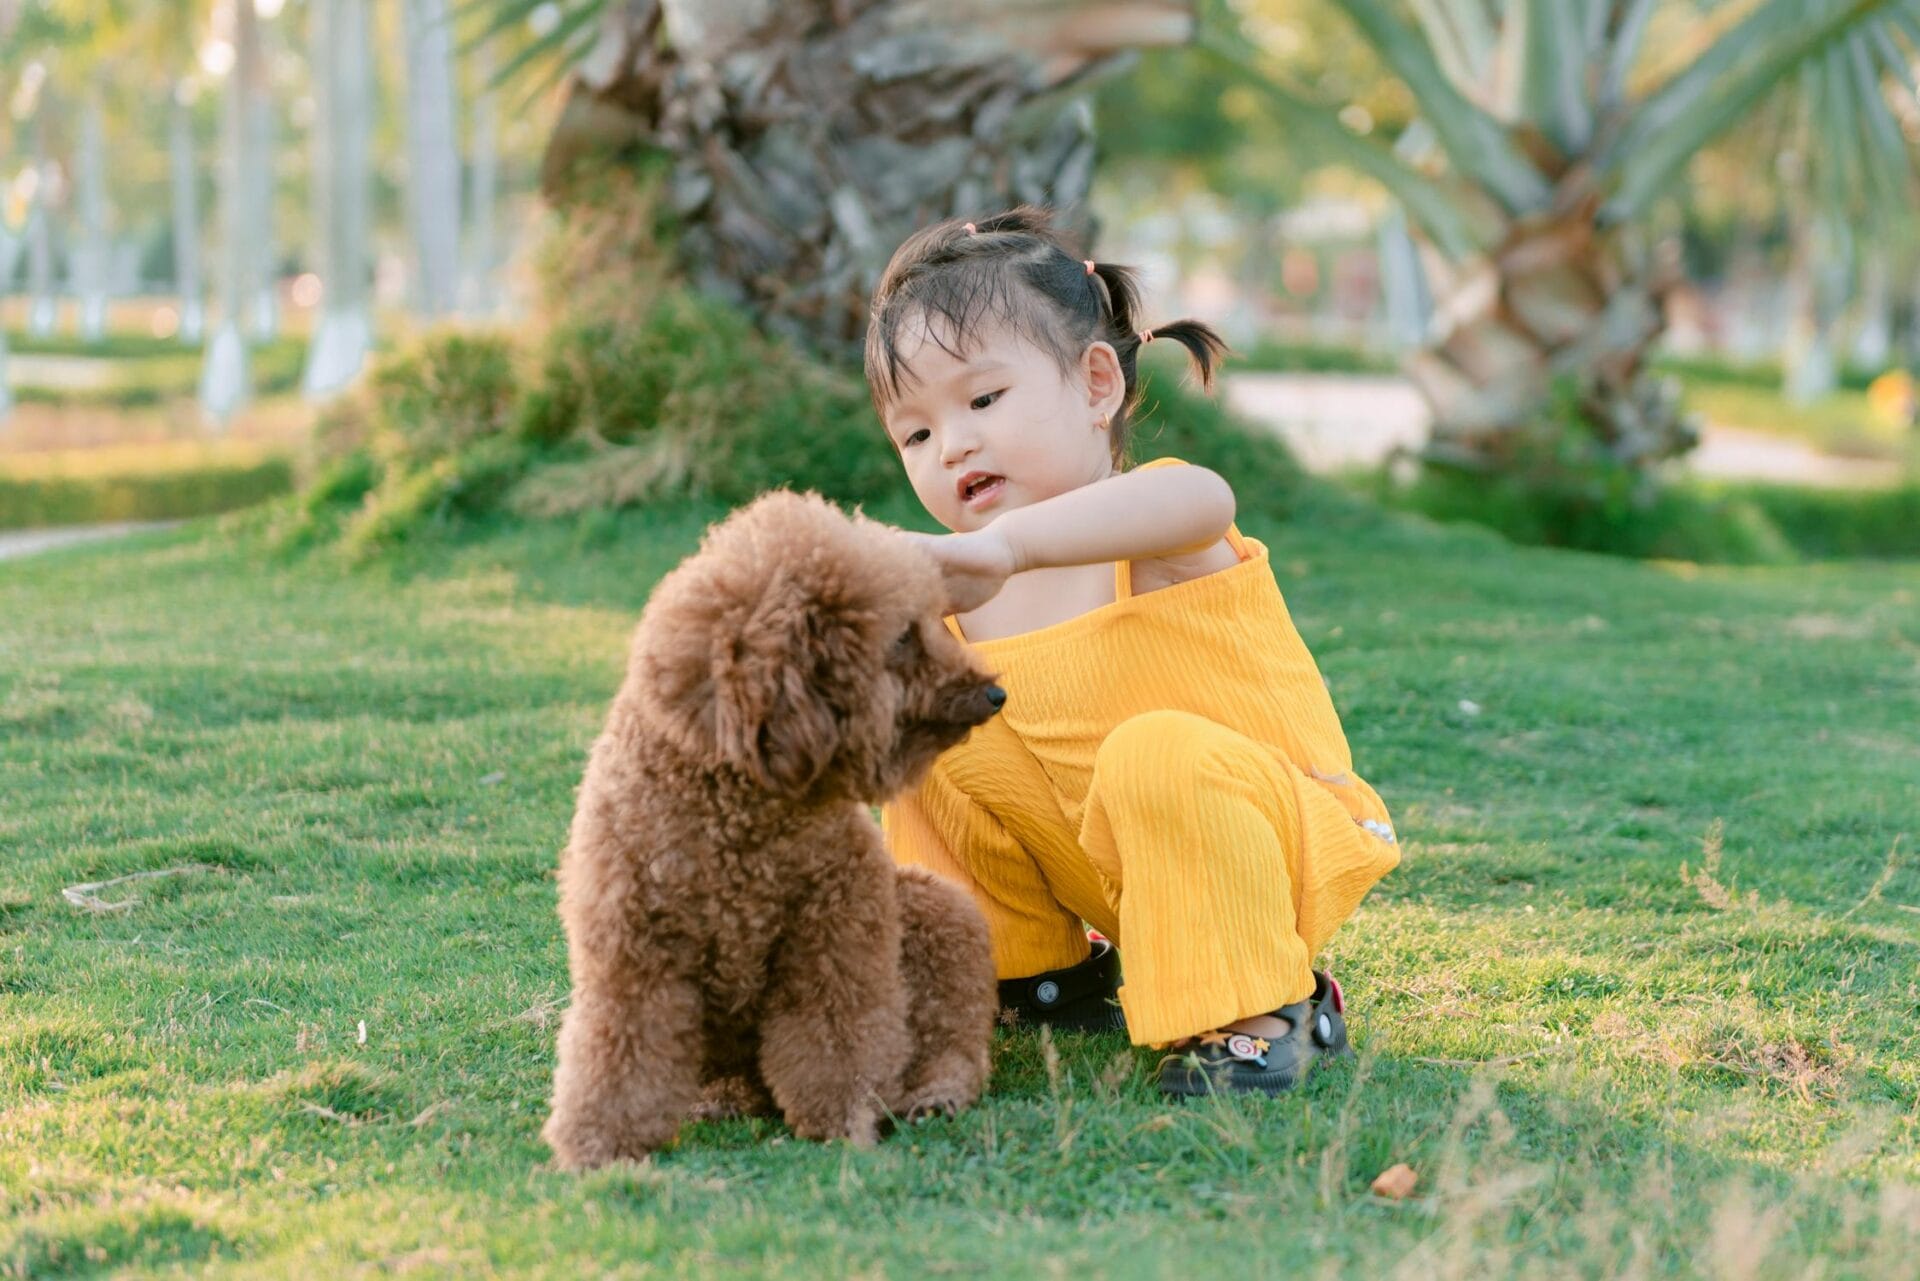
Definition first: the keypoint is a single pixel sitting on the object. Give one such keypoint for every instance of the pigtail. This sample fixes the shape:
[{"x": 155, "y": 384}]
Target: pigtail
[
  {"x": 1203, "y": 343},
  {"x": 1119, "y": 291}
]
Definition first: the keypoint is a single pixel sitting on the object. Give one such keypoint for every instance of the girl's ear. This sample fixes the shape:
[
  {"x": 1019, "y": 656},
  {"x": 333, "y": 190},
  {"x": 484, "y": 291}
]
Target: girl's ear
[{"x": 1106, "y": 384}]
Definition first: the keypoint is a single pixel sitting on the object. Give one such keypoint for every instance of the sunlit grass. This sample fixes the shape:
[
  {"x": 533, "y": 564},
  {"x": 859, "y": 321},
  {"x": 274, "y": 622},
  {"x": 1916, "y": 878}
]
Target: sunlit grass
[
  {"x": 1641, "y": 999},
  {"x": 157, "y": 457}
]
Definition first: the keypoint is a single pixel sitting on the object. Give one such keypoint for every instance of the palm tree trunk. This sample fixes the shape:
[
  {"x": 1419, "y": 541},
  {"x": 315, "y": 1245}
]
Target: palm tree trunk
[
  {"x": 345, "y": 331},
  {"x": 9, "y": 253},
  {"x": 1403, "y": 284},
  {"x": 224, "y": 382},
  {"x": 809, "y": 138},
  {"x": 1817, "y": 292},
  {"x": 186, "y": 216},
  {"x": 1873, "y": 340},
  {"x": 263, "y": 302},
  {"x": 42, "y": 310},
  {"x": 1558, "y": 298},
  {"x": 483, "y": 189},
  {"x": 90, "y": 256},
  {"x": 433, "y": 156}
]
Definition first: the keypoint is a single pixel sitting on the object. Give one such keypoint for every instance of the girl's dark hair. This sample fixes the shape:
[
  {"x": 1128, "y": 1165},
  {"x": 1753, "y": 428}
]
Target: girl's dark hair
[{"x": 1015, "y": 268}]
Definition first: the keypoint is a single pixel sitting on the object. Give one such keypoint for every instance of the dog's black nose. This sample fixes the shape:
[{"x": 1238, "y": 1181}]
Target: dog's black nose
[{"x": 996, "y": 696}]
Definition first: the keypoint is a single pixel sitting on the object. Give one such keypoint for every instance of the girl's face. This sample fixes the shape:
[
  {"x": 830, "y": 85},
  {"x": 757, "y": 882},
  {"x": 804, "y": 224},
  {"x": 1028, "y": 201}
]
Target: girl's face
[{"x": 1002, "y": 426}]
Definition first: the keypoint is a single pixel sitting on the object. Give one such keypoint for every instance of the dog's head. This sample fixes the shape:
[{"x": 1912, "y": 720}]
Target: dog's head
[{"x": 804, "y": 649}]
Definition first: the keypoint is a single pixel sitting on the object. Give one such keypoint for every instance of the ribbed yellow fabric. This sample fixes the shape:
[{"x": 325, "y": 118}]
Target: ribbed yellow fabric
[{"x": 1169, "y": 769}]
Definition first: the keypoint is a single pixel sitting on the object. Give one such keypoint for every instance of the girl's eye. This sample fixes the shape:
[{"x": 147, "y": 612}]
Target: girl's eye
[
  {"x": 914, "y": 438},
  {"x": 986, "y": 399}
]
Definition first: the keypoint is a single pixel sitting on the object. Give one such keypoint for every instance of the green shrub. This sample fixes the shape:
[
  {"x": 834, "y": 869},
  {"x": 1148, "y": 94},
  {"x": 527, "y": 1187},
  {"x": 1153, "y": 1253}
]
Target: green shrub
[
  {"x": 1650, "y": 522},
  {"x": 1760, "y": 375},
  {"x": 692, "y": 402},
  {"x": 84, "y": 500},
  {"x": 448, "y": 391},
  {"x": 1843, "y": 523},
  {"x": 1272, "y": 355}
]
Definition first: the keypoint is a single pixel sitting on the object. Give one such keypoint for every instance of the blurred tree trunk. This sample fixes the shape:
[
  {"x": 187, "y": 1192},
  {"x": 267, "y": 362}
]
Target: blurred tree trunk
[
  {"x": 433, "y": 156},
  {"x": 186, "y": 216},
  {"x": 9, "y": 255},
  {"x": 263, "y": 272},
  {"x": 1873, "y": 338},
  {"x": 1816, "y": 294},
  {"x": 809, "y": 137},
  {"x": 224, "y": 382},
  {"x": 89, "y": 257},
  {"x": 42, "y": 309},
  {"x": 483, "y": 190},
  {"x": 342, "y": 125}
]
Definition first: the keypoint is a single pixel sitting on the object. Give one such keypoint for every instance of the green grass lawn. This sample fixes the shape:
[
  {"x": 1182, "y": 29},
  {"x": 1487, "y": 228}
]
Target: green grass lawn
[{"x": 1642, "y": 999}]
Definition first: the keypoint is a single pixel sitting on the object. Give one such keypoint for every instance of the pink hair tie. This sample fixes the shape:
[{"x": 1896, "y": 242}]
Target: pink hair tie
[
  {"x": 1146, "y": 336},
  {"x": 1089, "y": 263},
  {"x": 972, "y": 230}
]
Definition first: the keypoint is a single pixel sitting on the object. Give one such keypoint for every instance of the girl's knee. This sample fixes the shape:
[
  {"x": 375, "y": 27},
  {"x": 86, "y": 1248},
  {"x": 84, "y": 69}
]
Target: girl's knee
[{"x": 1169, "y": 748}]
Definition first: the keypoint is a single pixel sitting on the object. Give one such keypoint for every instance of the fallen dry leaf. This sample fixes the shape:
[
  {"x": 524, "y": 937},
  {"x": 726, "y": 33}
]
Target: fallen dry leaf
[{"x": 1395, "y": 1183}]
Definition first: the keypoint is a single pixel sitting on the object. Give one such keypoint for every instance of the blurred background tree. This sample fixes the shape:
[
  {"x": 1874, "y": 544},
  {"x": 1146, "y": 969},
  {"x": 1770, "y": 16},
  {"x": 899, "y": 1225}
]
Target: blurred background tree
[{"x": 1546, "y": 133}]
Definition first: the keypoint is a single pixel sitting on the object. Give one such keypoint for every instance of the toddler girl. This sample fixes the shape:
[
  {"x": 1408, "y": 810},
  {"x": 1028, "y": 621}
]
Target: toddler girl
[{"x": 1168, "y": 767}]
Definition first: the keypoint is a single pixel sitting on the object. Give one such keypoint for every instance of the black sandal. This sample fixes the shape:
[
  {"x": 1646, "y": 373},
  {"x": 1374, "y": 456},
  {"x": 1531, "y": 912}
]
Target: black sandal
[
  {"x": 1239, "y": 1062},
  {"x": 1079, "y": 998}
]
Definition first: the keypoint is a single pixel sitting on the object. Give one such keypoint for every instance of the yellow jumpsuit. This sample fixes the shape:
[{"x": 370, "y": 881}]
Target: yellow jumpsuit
[{"x": 1170, "y": 770}]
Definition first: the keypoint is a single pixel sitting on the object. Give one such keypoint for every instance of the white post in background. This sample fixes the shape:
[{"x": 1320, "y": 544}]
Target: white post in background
[
  {"x": 89, "y": 257},
  {"x": 186, "y": 215},
  {"x": 433, "y": 156},
  {"x": 342, "y": 112},
  {"x": 483, "y": 189}
]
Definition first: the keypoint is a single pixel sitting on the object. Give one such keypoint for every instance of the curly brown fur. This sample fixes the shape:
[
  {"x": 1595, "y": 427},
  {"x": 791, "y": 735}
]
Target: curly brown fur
[{"x": 736, "y": 932}]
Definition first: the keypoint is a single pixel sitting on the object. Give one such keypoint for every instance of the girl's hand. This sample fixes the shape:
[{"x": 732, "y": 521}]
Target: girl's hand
[{"x": 974, "y": 565}]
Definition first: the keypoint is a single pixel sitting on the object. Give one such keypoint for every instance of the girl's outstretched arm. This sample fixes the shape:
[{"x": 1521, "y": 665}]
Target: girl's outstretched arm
[{"x": 1139, "y": 515}]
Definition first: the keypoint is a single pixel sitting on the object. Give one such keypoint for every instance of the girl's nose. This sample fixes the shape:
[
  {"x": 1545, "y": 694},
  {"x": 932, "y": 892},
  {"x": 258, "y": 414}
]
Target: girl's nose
[{"x": 955, "y": 445}]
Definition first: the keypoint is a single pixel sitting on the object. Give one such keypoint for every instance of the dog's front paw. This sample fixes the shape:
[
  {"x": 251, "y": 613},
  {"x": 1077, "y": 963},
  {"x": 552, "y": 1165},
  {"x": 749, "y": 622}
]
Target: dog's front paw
[
  {"x": 859, "y": 1125},
  {"x": 951, "y": 1084}
]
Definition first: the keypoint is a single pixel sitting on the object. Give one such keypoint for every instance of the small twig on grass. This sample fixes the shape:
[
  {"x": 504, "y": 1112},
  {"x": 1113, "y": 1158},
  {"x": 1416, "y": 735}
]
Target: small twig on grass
[
  {"x": 85, "y": 898},
  {"x": 1502, "y": 1061},
  {"x": 259, "y": 1000},
  {"x": 322, "y": 1110},
  {"x": 429, "y": 1112},
  {"x": 1880, "y": 882}
]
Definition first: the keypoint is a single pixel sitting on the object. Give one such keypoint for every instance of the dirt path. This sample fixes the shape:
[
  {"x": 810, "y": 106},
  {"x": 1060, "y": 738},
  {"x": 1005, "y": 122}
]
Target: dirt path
[
  {"x": 26, "y": 542},
  {"x": 1336, "y": 420}
]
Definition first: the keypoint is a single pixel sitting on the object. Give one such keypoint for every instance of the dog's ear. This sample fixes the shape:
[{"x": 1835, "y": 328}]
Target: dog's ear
[{"x": 772, "y": 714}]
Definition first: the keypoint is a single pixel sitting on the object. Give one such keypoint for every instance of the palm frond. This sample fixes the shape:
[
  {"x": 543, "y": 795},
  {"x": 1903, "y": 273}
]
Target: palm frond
[
  {"x": 1474, "y": 141},
  {"x": 1752, "y": 60},
  {"x": 561, "y": 48},
  {"x": 1449, "y": 219}
]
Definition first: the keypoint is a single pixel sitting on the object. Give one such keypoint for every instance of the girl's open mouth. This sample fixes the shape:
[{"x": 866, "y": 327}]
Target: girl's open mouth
[{"x": 977, "y": 491}]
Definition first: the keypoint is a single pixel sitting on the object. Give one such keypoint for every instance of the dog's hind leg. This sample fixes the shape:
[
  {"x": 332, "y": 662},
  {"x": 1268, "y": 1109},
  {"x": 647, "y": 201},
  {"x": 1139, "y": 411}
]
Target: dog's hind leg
[
  {"x": 947, "y": 965},
  {"x": 629, "y": 1066}
]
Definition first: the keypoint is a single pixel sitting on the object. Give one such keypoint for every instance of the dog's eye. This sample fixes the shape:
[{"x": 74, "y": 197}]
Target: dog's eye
[{"x": 903, "y": 647}]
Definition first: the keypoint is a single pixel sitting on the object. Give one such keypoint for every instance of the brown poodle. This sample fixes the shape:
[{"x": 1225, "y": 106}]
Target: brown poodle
[{"x": 737, "y": 934}]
